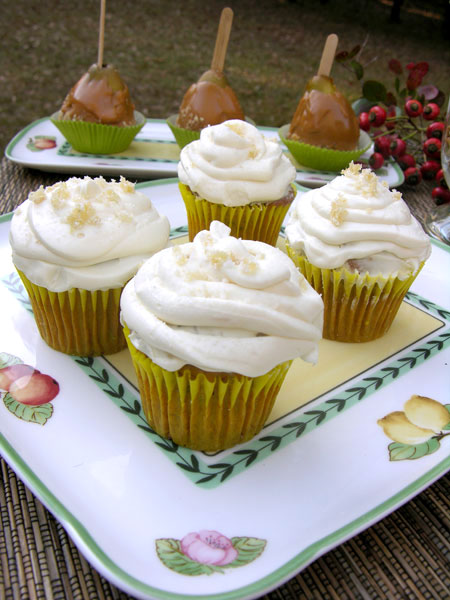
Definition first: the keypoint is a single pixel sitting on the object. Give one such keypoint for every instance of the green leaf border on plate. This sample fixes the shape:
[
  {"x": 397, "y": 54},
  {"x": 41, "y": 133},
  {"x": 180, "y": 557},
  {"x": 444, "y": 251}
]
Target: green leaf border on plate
[{"x": 211, "y": 475}]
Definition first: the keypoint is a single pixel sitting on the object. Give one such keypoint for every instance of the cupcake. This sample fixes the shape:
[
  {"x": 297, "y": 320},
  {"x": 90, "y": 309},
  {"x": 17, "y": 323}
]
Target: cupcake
[
  {"x": 358, "y": 245},
  {"x": 97, "y": 115},
  {"x": 210, "y": 101},
  {"x": 213, "y": 326},
  {"x": 75, "y": 245},
  {"x": 324, "y": 132},
  {"x": 235, "y": 175}
]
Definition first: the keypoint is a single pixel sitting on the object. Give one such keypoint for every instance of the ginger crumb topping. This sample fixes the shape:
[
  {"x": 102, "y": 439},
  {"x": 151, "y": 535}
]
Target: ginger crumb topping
[
  {"x": 396, "y": 195},
  {"x": 126, "y": 185},
  {"x": 253, "y": 153},
  {"x": 366, "y": 181},
  {"x": 369, "y": 184},
  {"x": 38, "y": 196},
  {"x": 237, "y": 128},
  {"x": 217, "y": 257},
  {"x": 59, "y": 195},
  {"x": 353, "y": 170},
  {"x": 110, "y": 195},
  {"x": 124, "y": 216},
  {"x": 194, "y": 275},
  {"x": 338, "y": 211},
  {"x": 83, "y": 214},
  {"x": 250, "y": 266},
  {"x": 181, "y": 258}
]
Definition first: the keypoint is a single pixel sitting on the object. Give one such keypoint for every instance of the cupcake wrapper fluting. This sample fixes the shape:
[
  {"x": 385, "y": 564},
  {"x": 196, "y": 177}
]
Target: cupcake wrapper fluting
[
  {"x": 97, "y": 138},
  {"x": 77, "y": 322},
  {"x": 202, "y": 410},
  {"x": 358, "y": 308},
  {"x": 259, "y": 221},
  {"x": 323, "y": 159},
  {"x": 182, "y": 136}
]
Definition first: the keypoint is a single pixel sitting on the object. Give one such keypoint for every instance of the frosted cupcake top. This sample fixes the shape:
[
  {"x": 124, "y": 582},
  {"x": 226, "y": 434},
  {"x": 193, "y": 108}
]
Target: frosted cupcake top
[
  {"x": 86, "y": 233},
  {"x": 357, "y": 222},
  {"x": 222, "y": 304},
  {"x": 234, "y": 164}
]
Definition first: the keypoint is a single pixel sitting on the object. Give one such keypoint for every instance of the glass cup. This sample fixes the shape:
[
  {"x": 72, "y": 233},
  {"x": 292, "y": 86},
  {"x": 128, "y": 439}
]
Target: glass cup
[{"x": 438, "y": 222}]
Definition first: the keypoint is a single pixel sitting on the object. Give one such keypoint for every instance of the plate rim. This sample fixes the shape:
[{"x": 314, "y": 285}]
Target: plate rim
[
  {"x": 111, "y": 169},
  {"x": 271, "y": 580}
]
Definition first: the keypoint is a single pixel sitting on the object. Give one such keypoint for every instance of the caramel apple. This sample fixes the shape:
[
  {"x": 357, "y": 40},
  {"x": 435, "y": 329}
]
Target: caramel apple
[
  {"x": 210, "y": 101},
  {"x": 324, "y": 117},
  {"x": 100, "y": 96}
]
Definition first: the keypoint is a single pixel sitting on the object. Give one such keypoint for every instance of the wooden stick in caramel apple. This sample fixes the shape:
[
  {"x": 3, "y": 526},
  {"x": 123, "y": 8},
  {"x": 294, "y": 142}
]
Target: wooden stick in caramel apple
[
  {"x": 101, "y": 35},
  {"x": 329, "y": 50},
  {"x": 223, "y": 36},
  {"x": 211, "y": 100}
]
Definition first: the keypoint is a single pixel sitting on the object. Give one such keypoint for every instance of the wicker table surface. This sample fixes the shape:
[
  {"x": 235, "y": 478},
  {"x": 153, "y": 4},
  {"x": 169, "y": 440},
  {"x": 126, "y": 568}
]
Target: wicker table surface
[{"x": 405, "y": 555}]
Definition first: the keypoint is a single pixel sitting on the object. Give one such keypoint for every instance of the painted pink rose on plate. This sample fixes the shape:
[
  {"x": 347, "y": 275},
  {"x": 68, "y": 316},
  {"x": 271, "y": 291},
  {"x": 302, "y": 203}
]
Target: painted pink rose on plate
[
  {"x": 209, "y": 548},
  {"x": 207, "y": 551}
]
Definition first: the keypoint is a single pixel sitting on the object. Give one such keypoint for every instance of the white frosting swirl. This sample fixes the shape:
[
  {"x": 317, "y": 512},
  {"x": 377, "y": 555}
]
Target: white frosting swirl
[
  {"x": 356, "y": 221},
  {"x": 234, "y": 164},
  {"x": 85, "y": 233},
  {"x": 222, "y": 304}
]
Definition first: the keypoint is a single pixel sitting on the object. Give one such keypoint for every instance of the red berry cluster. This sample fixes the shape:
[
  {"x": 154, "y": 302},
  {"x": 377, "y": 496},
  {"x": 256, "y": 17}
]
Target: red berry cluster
[
  {"x": 393, "y": 130},
  {"x": 403, "y": 117}
]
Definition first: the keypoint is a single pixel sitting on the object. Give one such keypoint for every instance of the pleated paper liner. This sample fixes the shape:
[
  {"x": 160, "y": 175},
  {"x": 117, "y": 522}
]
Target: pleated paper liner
[
  {"x": 257, "y": 221},
  {"x": 97, "y": 138},
  {"x": 205, "y": 410},
  {"x": 77, "y": 322},
  {"x": 182, "y": 136},
  {"x": 358, "y": 308},
  {"x": 323, "y": 159}
]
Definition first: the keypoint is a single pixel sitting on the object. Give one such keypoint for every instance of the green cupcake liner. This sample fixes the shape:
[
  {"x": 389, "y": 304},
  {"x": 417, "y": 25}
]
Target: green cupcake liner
[
  {"x": 183, "y": 137},
  {"x": 323, "y": 159},
  {"x": 97, "y": 138}
]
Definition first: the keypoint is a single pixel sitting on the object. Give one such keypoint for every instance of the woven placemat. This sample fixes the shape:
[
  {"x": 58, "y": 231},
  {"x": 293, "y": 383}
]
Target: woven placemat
[
  {"x": 404, "y": 556},
  {"x": 16, "y": 182}
]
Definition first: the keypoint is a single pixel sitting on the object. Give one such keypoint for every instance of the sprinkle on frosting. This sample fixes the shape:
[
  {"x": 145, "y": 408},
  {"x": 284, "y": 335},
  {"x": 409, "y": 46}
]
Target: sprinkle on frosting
[
  {"x": 338, "y": 211},
  {"x": 236, "y": 126},
  {"x": 234, "y": 164},
  {"x": 125, "y": 185},
  {"x": 60, "y": 194},
  {"x": 353, "y": 170},
  {"x": 111, "y": 196},
  {"x": 238, "y": 306},
  {"x": 38, "y": 196},
  {"x": 357, "y": 218},
  {"x": 366, "y": 181},
  {"x": 81, "y": 216},
  {"x": 86, "y": 233}
]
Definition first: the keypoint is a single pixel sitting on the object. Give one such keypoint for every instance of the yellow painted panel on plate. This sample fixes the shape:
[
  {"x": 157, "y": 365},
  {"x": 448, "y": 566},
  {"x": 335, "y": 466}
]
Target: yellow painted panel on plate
[{"x": 338, "y": 362}]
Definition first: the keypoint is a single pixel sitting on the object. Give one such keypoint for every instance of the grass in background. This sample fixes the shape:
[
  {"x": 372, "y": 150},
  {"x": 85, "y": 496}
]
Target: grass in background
[{"x": 161, "y": 46}]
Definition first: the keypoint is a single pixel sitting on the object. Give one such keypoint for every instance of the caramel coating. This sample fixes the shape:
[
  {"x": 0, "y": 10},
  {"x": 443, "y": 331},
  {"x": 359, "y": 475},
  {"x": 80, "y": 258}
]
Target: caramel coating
[
  {"x": 325, "y": 118},
  {"x": 210, "y": 101},
  {"x": 100, "y": 96}
]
